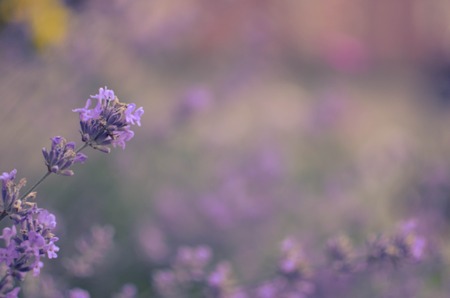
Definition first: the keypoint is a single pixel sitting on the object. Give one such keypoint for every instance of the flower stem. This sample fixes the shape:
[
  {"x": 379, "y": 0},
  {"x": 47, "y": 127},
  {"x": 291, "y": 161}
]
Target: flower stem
[
  {"x": 42, "y": 179},
  {"x": 2, "y": 216},
  {"x": 4, "y": 213},
  {"x": 82, "y": 147},
  {"x": 35, "y": 185}
]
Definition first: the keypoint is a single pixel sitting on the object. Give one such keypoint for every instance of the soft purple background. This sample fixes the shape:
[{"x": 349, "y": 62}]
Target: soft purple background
[{"x": 263, "y": 119}]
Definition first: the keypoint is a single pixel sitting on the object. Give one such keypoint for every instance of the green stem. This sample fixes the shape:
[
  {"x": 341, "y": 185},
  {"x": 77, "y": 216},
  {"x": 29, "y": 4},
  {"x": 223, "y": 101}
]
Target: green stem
[
  {"x": 4, "y": 213},
  {"x": 43, "y": 178},
  {"x": 82, "y": 147},
  {"x": 35, "y": 185}
]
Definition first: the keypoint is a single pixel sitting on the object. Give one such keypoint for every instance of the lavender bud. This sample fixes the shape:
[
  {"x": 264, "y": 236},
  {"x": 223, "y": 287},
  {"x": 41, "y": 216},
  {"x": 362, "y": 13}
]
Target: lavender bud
[{"x": 61, "y": 156}]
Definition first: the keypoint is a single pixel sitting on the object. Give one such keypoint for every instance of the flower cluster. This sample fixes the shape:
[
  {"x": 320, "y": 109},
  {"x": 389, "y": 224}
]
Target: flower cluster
[
  {"x": 29, "y": 240},
  {"x": 109, "y": 122}
]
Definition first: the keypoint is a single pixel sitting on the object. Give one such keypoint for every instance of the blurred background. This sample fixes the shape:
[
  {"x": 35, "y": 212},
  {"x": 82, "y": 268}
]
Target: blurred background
[{"x": 263, "y": 119}]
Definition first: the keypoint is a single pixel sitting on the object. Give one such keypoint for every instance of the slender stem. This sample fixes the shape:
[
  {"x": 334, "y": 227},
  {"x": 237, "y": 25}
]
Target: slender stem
[
  {"x": 35, "y": 185},
  {"x": 2, "y": 216},
  {"x": 43, "y": 178},
  {"x": 82, "y": 147},
  {"x": 4, "y": 213},
  {"x": 3, "y": 281}
]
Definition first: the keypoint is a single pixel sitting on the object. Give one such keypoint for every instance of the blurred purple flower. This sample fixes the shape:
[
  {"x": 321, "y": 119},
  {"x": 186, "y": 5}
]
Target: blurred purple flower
[
  {"x": 127, "y": 291},
  {"x": 194, "y": 100},
  {"x": 191, "y": 273},
  {"x": 341, "y": 254},
  {"x": 405, "y": 245},
  {"x": 79, "y": 293},
  {"x": 293, "y": 262},
  {"x": 92, "y": 250},
  {"x": 152, "y": 241}
]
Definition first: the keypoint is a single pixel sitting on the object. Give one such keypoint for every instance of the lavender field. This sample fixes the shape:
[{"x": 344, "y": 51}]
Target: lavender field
[{"x": 225, "y": 149}]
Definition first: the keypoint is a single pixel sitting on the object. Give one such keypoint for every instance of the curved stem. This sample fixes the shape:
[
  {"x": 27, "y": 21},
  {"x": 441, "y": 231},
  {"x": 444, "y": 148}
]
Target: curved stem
[
  {"x": 3, "y": 281},
  {"x": 82, "y": 147},
  {"x": 35, "y": 185},
  {"x": 3, "y": 215},
  {"x": 42, "y": 179}
]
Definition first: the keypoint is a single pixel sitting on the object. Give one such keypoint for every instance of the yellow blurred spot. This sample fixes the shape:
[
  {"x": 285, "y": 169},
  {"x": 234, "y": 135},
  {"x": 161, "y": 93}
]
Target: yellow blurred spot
[{"x": 46, "y": 19}]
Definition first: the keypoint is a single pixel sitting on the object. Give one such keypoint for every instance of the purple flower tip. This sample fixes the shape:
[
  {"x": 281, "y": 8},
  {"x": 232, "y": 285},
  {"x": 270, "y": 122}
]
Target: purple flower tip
[{"x": 8, "y": 176}]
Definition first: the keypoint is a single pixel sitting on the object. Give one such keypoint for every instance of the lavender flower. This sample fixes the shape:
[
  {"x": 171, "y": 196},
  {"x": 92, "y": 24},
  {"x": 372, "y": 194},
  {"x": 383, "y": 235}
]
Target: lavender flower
[
  {"x": 23, "y": 252},
  {"x": 35, "y": 241},
  {"x": 62, "y": 156},
  {"x": 109, "y": 122}
]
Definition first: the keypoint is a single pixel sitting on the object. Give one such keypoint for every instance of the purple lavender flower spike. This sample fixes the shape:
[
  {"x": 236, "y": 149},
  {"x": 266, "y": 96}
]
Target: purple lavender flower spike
[
  {"x": 24, "y": 251},
  {"x": 109, "y": 122},
  {"x": 61, "y": 156}
]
